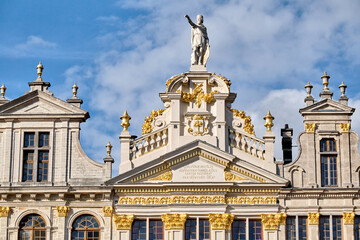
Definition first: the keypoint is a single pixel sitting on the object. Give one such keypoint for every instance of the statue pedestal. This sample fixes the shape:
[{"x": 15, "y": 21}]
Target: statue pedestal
[{"x": 198, "y": 68}]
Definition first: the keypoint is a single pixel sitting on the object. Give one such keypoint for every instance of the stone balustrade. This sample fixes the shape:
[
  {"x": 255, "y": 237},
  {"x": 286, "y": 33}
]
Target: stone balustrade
[
  {"x": 148, "y": 143},
  {"x": 247, "y": 143}
]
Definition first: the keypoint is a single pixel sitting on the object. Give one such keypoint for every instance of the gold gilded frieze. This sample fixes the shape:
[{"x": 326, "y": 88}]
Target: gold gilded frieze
[
  {"x": 167, "y": 176},
  {"x": 232, "y": 177}
]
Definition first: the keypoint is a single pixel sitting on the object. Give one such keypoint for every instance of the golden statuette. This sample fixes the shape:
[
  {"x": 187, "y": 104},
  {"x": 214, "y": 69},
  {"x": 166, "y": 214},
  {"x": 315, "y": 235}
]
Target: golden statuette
[
  {"x": 123, "y": 222},
  {"x": 348, "y": 218},
  {"x": 174, "y": 221},
  {"x": 313, "y": 218},
  {"x": 63, "y": 211},
  {"x": 221, "y": 221},
  {"x": 268, "y": 121},
  {"x": 108, "y": 211},
  {"x": 125, "y": 121},
  {"x": 345, "y": 127},
  {"x": 310, "y": 127},
  {"x": 4, "y": 211}
]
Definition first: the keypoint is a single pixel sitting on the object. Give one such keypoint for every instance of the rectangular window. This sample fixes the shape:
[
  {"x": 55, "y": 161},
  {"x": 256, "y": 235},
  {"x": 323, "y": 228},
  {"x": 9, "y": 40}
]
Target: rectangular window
[
  {"x": 357, "y": 228},
  {"x": 238, "y": 230},
  {"x": 302, "y": 228},
  {"x": 190, "y": 229},
  {"x": 43, "y": 139},
  {"x": 156, "y": 230},
  {"x": 324, "y": 228},
  {"x": 291, "y": 228},
  {"x": 255, "y": 232},
  {"x": 328, "y": 170},
  {"x": 204, "y": 229},
  {"x": 29, "y": 139},
  {"x": 138, "y": 230},
  {"x": 28, "y": 166},
  {"x": 336, "y": 226},
  {"x": 43, "y": 166}
]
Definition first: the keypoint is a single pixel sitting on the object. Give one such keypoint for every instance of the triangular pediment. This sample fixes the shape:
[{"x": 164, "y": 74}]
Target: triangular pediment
[
  {"x": 197, "y": 163},
  {"x": 40, "y": 103},
  {"x": 327, "y": 106}
]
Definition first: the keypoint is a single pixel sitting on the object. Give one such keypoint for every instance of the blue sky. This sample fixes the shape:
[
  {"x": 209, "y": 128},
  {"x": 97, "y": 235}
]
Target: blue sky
[{"x": 120, "y": 54}]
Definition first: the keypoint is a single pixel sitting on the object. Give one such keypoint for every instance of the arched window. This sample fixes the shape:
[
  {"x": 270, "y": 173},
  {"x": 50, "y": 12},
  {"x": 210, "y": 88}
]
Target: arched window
[
  {"x": 32, "y": 227},
  {"x": 85, "y": 227},
  {"x": 328, "y": 162}
]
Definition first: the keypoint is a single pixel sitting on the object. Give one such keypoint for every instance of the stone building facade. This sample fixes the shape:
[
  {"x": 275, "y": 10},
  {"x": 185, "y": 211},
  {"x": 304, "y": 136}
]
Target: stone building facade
[{"x": 197, "y": 172}]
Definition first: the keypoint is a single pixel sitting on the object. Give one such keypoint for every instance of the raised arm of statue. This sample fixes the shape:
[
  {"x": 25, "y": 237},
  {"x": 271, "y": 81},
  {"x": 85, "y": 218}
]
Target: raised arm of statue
[{"x": 189, "y": 20}]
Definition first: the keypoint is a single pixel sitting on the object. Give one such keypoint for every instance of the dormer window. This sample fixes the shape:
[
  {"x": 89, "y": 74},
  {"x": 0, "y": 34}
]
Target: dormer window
[
  {"x": 36, "y": 156},
  {"x": 328, "y": 155}
]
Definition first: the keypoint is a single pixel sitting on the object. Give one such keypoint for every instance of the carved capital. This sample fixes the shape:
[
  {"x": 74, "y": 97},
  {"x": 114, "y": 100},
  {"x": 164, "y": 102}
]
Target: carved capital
[
  {"x": 108, "y": 211},
  {"x": 221, "y": 221},
  {"x": 310, "y": 127},
  {"x": 4, "y": 211},
  {"x": 63, "y": 211},
  {"x": 174, "y": 221},
  {"x": 313, "y": 218},
  {"x": 345, "y": 127},
  {"x": 123, "y": 222},
  {"x": 348, "y": 218},
  {"x": 272, "y": 221}
]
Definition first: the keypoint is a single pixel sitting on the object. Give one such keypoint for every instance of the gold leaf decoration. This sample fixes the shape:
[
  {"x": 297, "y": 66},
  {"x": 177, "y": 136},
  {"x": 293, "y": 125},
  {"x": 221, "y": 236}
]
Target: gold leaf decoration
[
  {"x": 248, "y": 127},
  {"x": 272, "y": 221},
  {"x": 313, "y": 218},
  {"x": 227, "y": 81},
  {"x": 108, "y": 211},
  {"x": 174, "y": 221},
  {"x": 197, "y": 95},
  {"x": 345, "y": 127},
  {"x": 221, "y": 221},
  {"x": 348, "y": 218},
  {"x": 167, "y": 176},
  {"x": 147, "y": 127},
  {"x": 310, "y": 127},
  {"x": 123, "y": 222},
  {"x": 232, "y": 177},
  {"x": 4, "y": 211},
  {"x": 168, "y": 82},
  {"x": 63, "y": 211}
]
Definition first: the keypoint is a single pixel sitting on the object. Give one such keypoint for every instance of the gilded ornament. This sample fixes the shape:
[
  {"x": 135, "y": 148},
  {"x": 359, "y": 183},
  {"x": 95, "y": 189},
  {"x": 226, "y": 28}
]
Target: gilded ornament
[
  {"x": 147, "y": 126},
  {"x": 167, "y": 176},
  {"x": 310, "y": 127},
  {"x": 268, "y": 121},
  {"x": 4, "y": 211},
  {"x": 313, "y": 218},
  {"x": 248, "y": 127},
  {"x": 123, "y": 222},
  {"x": 168, "y": 82},
  {"x": 251, "y": 200},
  {"x": 200, "y": 123},
  {"x": 174, "y": 221},
  {"x": 226, "y": 81},
  {"x": 197, "y": 95},
  {"x": 232, "y": 177},
  {"x": 221, "y": 221},
  {"x": 108, "y": 211},
  {"x": 125, "y": 121},
  {"x": 272, "y": 221},
  {"x": 345, "y": 127},
  {"x": 63, "y": 211},
  {"x": 3, "y": 89},
  {"x": 348, "y": 218},
  {"x": 75, "y": 89}
]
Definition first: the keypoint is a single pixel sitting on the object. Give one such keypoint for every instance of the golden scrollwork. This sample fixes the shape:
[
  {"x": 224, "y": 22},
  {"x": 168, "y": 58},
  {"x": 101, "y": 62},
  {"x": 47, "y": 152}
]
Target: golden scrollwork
[
  {"x": 168, "y": 82},
  {"x": 147, "y": 127},
  {"x": 313, "y": 218},
  {"x": 174, "y": 221},
  {"x": 348, "y": 218},
  {"x": 248, "y": 127},
  {"x": 63, "y": 211},
  {"x": 345, "y": 127},
  {"x": 197, "y": 95},
  {"x": 221, "y": 221},
  {"x": 200, "y": 123},
  {"x": 123, "y": 222},
  {"x": 272, "y": 221},
  {"x": 226, "y": 81},
  {"x": 251, "y": 200},
  {"x": 4, "y": 211},
  {"x": 232, "y": 177},
  {"x": 310, "y": 127},
  {"x": 108, "y": 211},
  {"x": 167, "y": 176}
]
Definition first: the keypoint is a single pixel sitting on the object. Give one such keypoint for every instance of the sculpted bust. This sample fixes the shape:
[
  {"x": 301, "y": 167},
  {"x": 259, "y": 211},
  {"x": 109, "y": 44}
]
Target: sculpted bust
[{"x": 199, "y": 41}]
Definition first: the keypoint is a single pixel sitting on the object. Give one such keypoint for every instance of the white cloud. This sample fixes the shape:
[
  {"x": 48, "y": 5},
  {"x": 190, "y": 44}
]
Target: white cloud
[{"x": 34, "y": 42}]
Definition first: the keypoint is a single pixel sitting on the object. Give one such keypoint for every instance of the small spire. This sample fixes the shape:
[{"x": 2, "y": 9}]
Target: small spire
[
  {"x": 39, "y": 70},
  {"x": 325, "y": 79},
  {"x": 75, "y": 88},
  {"x": 3, "y": 89},
  {"x": 308, "y": 88},
  {"x": 268, "y": 121},
  {"x": 108, "y": 149},
  {"x": 125, "y": 121},
  {"x": 342, "y": 87}
]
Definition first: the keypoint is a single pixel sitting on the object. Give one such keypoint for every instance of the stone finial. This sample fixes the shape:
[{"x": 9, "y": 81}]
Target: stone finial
[
  {"x": 75, "y": 88},
  {"x": 39, "y": 68},
  {"x": 268, "y": 121},
  {"x": 342, "y": 87},
  {"x": 325, "y": 79},
  {"x": 3, "y": 89},
  {"x": 308, "y": 88},
  {"x": 125, "y": 121},
  {"x": 108, "y": 149}
]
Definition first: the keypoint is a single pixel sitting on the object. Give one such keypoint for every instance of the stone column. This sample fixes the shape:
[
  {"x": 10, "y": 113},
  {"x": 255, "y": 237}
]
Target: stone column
[
  {"x": 269, "y": 139},
  {"x": 63, "y": 212},
  {"x": 345, "y": 156},
  {"x": 271, "y": 223},
  {"x": 174, "y": 128},
  {"x": 125, "y": 164},
  {"x": 108, "y": 211},
  {"x": 123, "y": 226},
  {"x": 348, "y": 228},
  {"x": 313, "y": 226},
  {"x": 220, "y": 225},
  {"x": 4, "y": 214},
  {"x": 174, "y": 225}
]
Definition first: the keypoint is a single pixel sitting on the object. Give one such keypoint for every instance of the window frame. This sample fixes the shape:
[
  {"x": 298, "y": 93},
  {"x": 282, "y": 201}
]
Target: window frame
[
  {"x": 327, "y": 156},
  {"x": 32, "y": 229},
  {"x": 86, "y": 230}
]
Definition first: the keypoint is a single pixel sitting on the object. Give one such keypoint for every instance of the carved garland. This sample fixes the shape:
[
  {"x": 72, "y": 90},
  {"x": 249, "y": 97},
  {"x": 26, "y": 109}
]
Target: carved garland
[
  {"x": 174, "y": 221},
  {"x": 248, "y": 127},
  {"x": 123, "y": 222},
  {"x": 147, "y": 127},
  {"x": 221, "y": 221},
  {"x": 197, "y": 95}
]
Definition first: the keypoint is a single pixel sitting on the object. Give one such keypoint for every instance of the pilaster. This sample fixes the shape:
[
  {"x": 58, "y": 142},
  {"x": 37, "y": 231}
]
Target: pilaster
[
  {"x": 63, "y": 212},
  {"x": 269, "y": 139},
  {"x": 125, "y": 164},
  {"x": 174, "y": 225},
  {"x": 123, "y": 226},
  {"x": 348, "y": 225},
  {"x": 313, "y": 226},
  {"x": 220, "y": 225},
  {"x": 108, "y": 212},
  {"x": 271, "y": 223},
  {"x": 4, "y": 214},
  {"x": 345, "y": 156}
]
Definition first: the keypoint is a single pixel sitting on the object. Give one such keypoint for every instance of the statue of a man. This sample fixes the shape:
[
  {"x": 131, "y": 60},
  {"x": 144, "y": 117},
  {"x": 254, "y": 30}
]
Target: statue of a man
[{"x": 199, "y": 41}]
